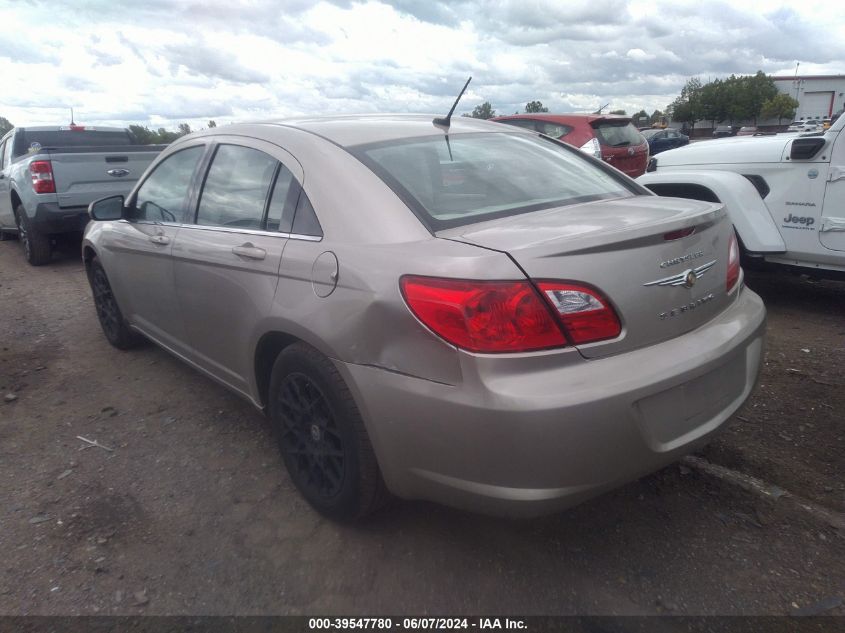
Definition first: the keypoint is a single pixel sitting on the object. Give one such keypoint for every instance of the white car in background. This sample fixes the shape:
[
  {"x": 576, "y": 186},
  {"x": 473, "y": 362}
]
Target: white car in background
[{"x": 810, "y": 125}]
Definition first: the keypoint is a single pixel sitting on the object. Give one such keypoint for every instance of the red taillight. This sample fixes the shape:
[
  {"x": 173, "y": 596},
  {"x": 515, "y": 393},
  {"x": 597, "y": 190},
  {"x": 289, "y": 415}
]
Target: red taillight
[
  {"x": 41, "y": 172},
  {"x": 483, "y": 316},
  {"x": 733, "y": 262},
  {"x": 586, "y": 315}
]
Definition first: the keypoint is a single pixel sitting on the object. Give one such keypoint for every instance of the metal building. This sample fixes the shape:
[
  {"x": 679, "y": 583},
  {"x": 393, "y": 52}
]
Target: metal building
[{"x": 819, "y": 96}]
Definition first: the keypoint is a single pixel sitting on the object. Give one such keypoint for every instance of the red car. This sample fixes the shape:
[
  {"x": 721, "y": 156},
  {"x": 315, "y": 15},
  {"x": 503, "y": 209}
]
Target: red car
[{"x": 610, "y": 137}]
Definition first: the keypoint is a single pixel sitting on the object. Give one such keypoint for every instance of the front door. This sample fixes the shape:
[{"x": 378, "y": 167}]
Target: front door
[{"x": 139, "y": 249}]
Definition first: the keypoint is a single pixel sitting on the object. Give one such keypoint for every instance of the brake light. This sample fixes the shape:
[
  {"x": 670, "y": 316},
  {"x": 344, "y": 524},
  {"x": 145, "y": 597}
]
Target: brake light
[
  {"x": 41, "y": 172},
  {"x": 586, "y": 315},
  {"x": 483, "y": 316},
  {"x": 592, "y": 147},
  {"x": 733, "y": 262},
  {"x": 680, "y": 233}
]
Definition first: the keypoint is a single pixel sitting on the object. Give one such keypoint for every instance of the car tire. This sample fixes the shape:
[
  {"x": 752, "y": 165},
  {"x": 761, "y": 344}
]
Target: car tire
[
  {"x": 322, "y": 438},
  {"x": 36, "y": 245},
  {"x": 108, "y": 312}
]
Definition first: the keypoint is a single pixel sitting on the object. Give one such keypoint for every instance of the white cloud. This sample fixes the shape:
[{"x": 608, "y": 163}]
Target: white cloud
[{"x": 166, "y": 61}]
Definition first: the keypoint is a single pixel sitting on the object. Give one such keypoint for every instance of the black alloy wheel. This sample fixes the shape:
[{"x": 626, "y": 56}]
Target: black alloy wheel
[
  {"x": 310, "y": 440},
  {"x": 322, "y": 437},
  {"x": 108, "y": 312}
]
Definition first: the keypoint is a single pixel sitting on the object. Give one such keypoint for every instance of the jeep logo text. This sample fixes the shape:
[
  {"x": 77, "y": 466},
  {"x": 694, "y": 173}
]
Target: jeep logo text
[{"x": 800, "y": 220}]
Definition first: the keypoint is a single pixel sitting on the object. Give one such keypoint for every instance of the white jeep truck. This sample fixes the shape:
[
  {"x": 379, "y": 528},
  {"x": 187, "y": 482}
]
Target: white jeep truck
[{"x": 784, "y": 193}]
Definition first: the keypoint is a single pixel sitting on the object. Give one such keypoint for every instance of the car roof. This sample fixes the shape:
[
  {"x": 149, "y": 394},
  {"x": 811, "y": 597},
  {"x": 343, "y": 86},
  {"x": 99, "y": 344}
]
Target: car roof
[
  {"x": 360, "y": 129},
  {"x": 566, "y": 118}
]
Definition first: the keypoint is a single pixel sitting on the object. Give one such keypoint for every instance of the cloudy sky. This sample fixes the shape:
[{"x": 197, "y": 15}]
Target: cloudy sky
[{"x": 161, "y": 62}]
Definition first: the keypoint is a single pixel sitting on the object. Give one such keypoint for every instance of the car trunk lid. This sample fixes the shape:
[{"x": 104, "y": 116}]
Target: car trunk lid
[{"x": 638, "y": 252}]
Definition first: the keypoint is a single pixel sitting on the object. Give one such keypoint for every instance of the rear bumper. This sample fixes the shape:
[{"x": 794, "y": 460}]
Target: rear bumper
[
  {"x": 51, "y": 218},
  {"x": 517, "y": 441}
]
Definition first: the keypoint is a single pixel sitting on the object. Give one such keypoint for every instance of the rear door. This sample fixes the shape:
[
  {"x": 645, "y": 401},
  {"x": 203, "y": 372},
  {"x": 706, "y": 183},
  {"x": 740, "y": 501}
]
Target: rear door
[{"x": 227, "y": 259}]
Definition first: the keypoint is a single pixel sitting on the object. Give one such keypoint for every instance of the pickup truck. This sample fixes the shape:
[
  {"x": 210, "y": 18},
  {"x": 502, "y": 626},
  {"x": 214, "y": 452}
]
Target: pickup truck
[
  {"x": 785, "y": 194},
  {"x": 49, "y": 175}
]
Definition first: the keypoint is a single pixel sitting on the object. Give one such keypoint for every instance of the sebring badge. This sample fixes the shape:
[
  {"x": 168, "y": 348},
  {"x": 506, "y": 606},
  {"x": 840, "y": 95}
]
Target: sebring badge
[{"x": 686, "y": 278}]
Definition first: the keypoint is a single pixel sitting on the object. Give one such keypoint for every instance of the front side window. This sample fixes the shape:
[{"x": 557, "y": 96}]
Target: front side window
[
  {"x": 163, "y": 196},
  {"x": 482, "y": 176},
  {"x": 235, "y": 191}
]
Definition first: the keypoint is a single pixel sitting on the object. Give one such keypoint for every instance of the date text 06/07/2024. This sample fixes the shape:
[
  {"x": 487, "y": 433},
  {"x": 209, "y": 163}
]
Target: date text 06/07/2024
[{"x": 415, "y": 623}]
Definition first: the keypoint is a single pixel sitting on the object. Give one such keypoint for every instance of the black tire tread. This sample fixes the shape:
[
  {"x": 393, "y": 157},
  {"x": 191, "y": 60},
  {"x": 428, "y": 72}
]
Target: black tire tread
[
  {"x": 373, "y": 494},
  {"x": 40, "y": 250},
  {"x": 126, "y": 338}
]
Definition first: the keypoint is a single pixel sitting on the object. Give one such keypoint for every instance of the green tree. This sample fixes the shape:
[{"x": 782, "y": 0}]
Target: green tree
[
  {"x": 483, "y": 111},
  {"x": 184, "y": 129},
  {"x": 656, "y": 117},
  {"x": 714, "y": 107},
  {"x": 143, "y": 134},
  {"x": 641, "y": 118},
  {"x": 781, "y": 106},
  {"x": 687, "y": 108},
  {"x": 533, "y": 107},
  {"x": 5, "y": 125},
  {"x": 622, "y": 112},
  {"x": 212, "y": 123},
  {"x": 759, "y": 88}
]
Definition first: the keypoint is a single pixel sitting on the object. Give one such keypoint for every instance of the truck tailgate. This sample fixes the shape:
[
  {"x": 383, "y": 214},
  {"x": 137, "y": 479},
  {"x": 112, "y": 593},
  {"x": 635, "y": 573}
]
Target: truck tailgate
[{"x": 83, "y": 175}]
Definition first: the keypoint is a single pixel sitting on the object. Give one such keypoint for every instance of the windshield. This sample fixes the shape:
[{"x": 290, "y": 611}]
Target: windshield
[
  {"x": 478, "y": 177},
  {"x": 649, "y": 133},
  {"x": 617, "y": 133}
]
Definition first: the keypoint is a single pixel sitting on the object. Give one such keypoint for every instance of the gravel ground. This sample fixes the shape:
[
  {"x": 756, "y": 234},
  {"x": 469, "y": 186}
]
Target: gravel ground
[{"x": 192, "y": 512}]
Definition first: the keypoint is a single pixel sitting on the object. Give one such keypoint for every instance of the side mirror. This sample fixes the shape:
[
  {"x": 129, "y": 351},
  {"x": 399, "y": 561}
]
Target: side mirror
[{"x": 104, "y": 209}]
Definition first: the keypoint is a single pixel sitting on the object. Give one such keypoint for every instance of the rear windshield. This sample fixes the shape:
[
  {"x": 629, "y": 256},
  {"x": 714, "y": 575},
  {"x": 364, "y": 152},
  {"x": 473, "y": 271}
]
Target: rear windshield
[
  {"x": 617, "y": 133},
  {"x": 477, "y": 177},
  {"x": 71, "y": 138}
]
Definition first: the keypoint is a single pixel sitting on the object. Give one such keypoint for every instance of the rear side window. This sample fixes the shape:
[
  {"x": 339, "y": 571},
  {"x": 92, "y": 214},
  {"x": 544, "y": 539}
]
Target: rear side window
[
  {"x": 617, "y": 133},
  {"x": 555, "y": 130},
  {"x": 305, "y": 221},
  {"x": 2, "y": 155},
  {"x": 164, "y": 193},
  {"x": 282, "y": 201},
  {"x": 478, "y": 177},
  {"x": 236, "y": 188}
]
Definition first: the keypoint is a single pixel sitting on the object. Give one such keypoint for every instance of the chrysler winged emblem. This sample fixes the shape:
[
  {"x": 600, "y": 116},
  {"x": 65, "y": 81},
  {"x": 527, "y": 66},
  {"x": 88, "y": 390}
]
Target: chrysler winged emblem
[{"x": 686, "y": 278}]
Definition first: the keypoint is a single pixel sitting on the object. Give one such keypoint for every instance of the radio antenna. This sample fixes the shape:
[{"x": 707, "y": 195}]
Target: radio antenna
[{"x": 447, "y": 121}]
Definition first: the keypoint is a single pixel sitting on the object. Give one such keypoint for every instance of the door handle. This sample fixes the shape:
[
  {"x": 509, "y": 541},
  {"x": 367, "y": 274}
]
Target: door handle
[
  {"x": 250, "y": 251},
  {"x": 159, "y": 239}
]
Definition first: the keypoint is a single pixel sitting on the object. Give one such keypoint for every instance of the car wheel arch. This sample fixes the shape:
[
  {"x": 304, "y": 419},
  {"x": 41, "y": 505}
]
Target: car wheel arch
[{"x": 267, "y": 349}]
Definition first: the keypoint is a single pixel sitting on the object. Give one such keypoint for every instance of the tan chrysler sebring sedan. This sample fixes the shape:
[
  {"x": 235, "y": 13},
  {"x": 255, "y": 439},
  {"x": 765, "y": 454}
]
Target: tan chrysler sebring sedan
[{"x": 469, "y": 313}]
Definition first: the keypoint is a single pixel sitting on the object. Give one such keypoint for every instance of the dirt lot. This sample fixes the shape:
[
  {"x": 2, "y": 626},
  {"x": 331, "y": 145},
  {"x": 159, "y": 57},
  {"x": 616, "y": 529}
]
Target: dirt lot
[{"x": 192, "y": 511}]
